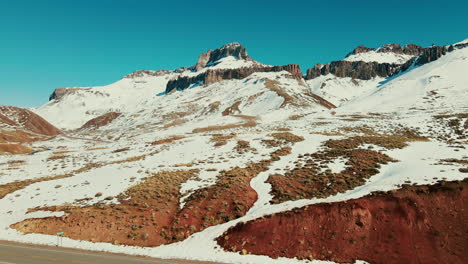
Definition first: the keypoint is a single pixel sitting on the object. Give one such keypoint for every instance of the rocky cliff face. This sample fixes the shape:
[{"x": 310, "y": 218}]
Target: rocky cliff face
[
  {"x": 60, "y": 92},
  {"x": 410, "y": 49},
  {"x": 354, "y": 69},
  {"x": 212, "y": 76},
  {"x": 431, "y": 54},
  {"x": 368, "y": 70},
  {"x": 212, "y": 56}
]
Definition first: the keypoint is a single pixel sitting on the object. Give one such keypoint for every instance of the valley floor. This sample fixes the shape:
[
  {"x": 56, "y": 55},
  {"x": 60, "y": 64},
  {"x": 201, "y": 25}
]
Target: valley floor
[{"x": 175, "y": 195}]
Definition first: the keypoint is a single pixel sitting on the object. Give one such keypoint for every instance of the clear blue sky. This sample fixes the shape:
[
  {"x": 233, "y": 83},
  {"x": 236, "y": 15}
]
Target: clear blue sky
[{"x": 48, "y": 44}]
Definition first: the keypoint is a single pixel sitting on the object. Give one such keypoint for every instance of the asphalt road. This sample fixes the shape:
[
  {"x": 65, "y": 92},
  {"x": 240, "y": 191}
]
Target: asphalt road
[{"x": 12, "y": 253}]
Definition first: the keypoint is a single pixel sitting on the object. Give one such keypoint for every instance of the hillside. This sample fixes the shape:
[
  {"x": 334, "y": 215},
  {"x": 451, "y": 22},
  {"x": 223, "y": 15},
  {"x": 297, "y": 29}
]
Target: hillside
[{"x": 361, "y": 160}]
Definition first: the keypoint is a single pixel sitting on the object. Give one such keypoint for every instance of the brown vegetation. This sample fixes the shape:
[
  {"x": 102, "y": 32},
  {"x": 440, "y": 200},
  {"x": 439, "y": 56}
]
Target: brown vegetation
[
  {"x": 149, "y": 214},
  {"x": 249, "y": 122},
  {"x": 311, "y": 177},
  {"x": 100, "y": 121},
  {"x": 29, "y": 121},
  {"x": 220, "y": 139},
  {"x": 167, "y": 140},
  {"x": 14, "y": 149},
  {"x": 143, "y": 216},
  {"x": 273, "y": 85},
  {"x": 233, "y": 109}
]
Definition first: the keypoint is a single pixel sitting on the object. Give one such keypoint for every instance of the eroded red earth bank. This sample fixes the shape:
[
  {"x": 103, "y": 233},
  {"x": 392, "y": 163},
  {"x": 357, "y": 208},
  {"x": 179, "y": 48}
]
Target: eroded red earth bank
[{"x": 416, "y": 224}]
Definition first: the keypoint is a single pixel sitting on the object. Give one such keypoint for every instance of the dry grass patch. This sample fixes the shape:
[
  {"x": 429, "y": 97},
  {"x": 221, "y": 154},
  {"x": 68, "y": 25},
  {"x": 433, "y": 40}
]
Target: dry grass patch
[
  {"x": 229, "y": 198},
  {"x": 249, "y": 122},
  {"x": 385, "y": 141},
  {"x": 233, "y": 109},
  {"x": 359, "y": 129},
  {"x": 295, "y": 117},
  {"x": 174, "y": 123},
  {"x": 144, "y": 215},
  {"x": 18, "y": 136},
  {"x": 312, "y": 177},
  {"x": 287, "y": 137},
  {"x": 328, "y": 133},
  {"x": 167, "y": 140},
  {"x": 98, "y": 148},
  {"x": 15, "y": 149},
  {"x": 220, "y": 139},
  {"x": 273, "y": 85},
  {"x": 17, "y": 185},
  {"x": 57, "y": 157},
  {"x": 121, "y": 150}
]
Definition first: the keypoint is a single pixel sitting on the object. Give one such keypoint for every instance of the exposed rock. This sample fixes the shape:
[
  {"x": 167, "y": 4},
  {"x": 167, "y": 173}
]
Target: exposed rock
[
  {"x": 412, "y": 49},
  {"x": 212, "y": 76},
  {"x": 60, "y": 92},
  {"x": 368, "y": 70},
  {"x": 354, "y": 69},
  {"x": 142, "y": 73},
  {"x": 212, "y": 56},
  {"x": 461, "y": 45},
  {"x": 360, "y": 49},
  {"x": 415, "y": 224},
  {"x": 431, "y": 54},
  {"x": 409, "y": 49}
]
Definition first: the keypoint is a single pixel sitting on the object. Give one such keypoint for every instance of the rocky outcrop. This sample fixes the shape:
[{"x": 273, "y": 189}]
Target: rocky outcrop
[
  {"x": 414, "y": 224},
  {"x": 60, "y": 92},
  {"x": 368, "y": 70},
  {"x": 354, "y": 69},
  {"x": 212, "y": 56},
  {"x": 412, "y": 49},
  {"x": 409, "y": 49},
  {"x": 360, "y": 49},
  {"x": 143, "y": 73},
  {"x": 212, "y": 76},
  {"x": 431, "y": 54}
]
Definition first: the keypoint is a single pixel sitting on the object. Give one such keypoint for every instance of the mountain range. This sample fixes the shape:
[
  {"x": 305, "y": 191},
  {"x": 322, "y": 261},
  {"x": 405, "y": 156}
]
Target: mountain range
[{"x": 361, "y": 160}]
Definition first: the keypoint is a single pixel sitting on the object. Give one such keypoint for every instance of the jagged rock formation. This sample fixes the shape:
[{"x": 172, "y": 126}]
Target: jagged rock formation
[
  {"x": 368, "y": 70},
  {"x": 212, "y": 56},
  {"x": 354, "y": 69},
  {"x": 410, "y": 49},
  {"x": 212, "y": 76},
  {"x": 60, "y": 92},
  {"x": 142, "y": 73},
  {"x": 431, "y": 54}
]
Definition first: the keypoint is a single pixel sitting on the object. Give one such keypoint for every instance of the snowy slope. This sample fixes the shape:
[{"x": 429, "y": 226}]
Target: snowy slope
[
  {"x": 75, "y": 109},
  {"x": 380, "y": 57},
  {"x": 440, "y": 85},
  {"x": 341, "y": 90},
  {"x": 271, "y": 101}
]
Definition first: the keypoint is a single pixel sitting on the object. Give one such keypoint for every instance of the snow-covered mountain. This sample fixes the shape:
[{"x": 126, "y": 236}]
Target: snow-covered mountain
[
  {"x": 224, "y": 77},
  {"x": 232, "y": 160}
]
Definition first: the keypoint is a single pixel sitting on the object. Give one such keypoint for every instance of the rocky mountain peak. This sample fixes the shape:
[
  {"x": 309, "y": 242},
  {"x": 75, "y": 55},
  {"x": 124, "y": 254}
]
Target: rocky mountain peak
[
  {"x": 409, "y": 49},
  {"x": 211, "y": 57},
  {"x": 359, "y": 49}
]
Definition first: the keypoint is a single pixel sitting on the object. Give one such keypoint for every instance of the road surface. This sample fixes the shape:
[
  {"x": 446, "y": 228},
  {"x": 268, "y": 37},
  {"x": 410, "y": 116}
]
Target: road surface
[{"x": 13, "y": 253}]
